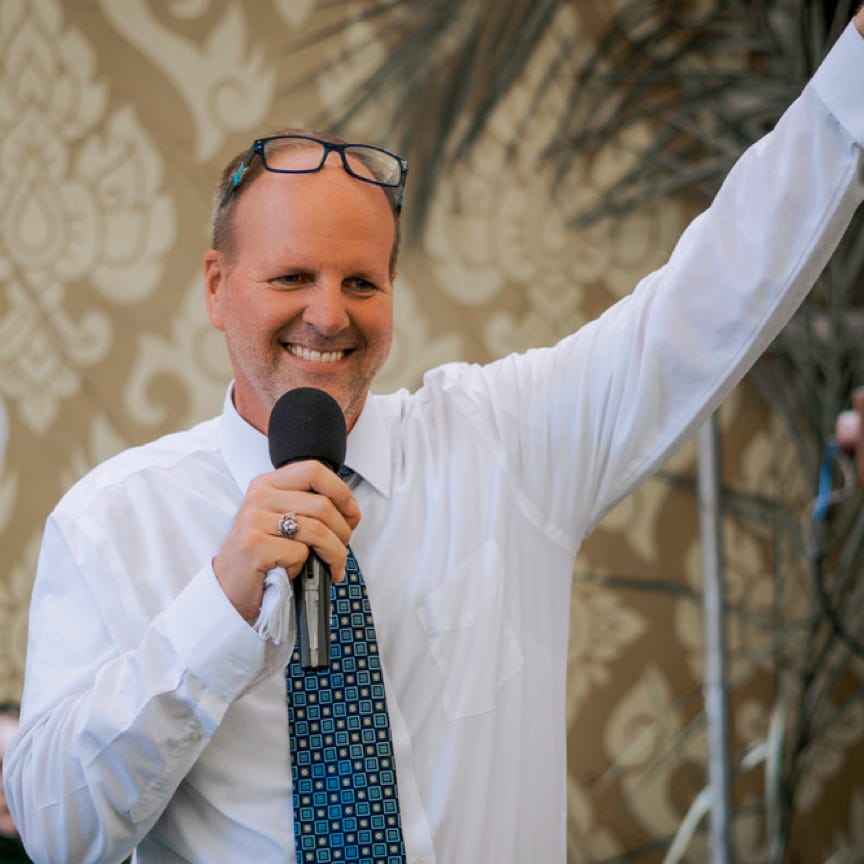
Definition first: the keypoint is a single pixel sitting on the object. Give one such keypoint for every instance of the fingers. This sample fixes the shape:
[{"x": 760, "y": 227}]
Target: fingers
[
  {"x": 321, "y": 483},
  {"x": 306, "y": 509},
  {"x": 330, "y": 545},
  {"x": 324, "y": 514},
  {"x": 849, "y": 431}
]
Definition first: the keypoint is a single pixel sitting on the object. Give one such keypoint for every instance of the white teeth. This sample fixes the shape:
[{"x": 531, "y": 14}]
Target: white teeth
[{"x": 316, "y": 356}]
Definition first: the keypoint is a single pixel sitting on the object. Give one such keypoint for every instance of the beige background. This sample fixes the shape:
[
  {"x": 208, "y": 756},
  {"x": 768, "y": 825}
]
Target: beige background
[{"x": 115, "y": 118}]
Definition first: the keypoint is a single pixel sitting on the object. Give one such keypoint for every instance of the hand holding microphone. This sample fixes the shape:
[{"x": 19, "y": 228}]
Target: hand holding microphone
[
  {"x": 307, "y": 424},
  {"x": 306, "y": 486}
]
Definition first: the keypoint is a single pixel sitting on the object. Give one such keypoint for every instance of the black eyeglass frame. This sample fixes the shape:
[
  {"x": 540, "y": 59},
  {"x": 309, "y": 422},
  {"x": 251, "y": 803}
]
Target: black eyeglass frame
[{"x": 257, "y": 149}]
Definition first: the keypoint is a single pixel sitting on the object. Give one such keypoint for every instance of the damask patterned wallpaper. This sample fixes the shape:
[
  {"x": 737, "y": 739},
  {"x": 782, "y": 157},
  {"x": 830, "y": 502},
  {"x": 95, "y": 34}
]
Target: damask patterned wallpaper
[{"x": 115, "y": 119}]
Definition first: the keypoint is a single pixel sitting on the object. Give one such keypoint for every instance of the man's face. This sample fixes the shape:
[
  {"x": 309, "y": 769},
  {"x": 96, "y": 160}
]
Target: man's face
[{"x": 305, "y": 297}]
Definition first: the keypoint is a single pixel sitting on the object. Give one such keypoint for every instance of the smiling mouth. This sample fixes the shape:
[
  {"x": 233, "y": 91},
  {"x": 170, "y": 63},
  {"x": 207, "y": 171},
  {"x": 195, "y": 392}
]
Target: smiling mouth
[{"x": 315, "y": 356}]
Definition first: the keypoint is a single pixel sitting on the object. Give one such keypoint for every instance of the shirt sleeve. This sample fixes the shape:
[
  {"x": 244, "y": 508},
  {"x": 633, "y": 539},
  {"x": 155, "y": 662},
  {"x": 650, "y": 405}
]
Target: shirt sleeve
[
  {"x": 582, "y": 423},
  {"x": 108, "y": 734}
]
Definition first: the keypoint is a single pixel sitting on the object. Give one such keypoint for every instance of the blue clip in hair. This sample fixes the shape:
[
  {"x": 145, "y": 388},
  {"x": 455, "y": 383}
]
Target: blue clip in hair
[{"x": 238, "y": 175}]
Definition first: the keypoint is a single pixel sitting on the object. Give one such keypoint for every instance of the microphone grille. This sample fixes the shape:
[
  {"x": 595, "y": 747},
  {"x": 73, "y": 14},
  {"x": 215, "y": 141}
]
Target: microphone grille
[{"x": 307, "y": 423}]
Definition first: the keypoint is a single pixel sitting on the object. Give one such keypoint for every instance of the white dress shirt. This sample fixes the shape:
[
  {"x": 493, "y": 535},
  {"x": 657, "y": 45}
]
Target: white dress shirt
[{"x": 153, "y": 715}]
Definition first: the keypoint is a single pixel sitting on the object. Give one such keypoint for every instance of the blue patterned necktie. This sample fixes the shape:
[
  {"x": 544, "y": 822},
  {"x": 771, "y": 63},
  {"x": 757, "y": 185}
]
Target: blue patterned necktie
[{"x": 346, "y": 806}]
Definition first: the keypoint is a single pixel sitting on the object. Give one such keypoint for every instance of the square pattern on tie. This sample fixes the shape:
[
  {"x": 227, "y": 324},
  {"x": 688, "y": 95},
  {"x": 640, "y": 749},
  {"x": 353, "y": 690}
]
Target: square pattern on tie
[{"x": 346, "y": 806}]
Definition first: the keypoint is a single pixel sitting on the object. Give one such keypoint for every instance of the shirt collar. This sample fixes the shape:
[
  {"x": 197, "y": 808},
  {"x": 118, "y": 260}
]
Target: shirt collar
[
  {"x": 247, "y": 454},
  {"x": 369, "y": 447}
]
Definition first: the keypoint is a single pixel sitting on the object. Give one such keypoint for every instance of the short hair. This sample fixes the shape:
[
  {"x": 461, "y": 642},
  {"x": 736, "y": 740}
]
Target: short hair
[{"x": 224, "y": 205}]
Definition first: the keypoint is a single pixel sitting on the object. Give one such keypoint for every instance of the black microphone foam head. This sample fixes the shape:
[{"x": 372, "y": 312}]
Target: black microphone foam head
[{"x": 307, "y": 423}]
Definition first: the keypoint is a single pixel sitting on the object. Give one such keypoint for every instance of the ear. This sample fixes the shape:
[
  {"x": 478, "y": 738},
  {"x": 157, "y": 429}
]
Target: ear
[{"x": 214, "y": 286}]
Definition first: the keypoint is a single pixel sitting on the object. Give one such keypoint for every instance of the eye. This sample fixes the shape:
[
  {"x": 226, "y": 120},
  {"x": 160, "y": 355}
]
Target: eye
[
  {"x": 361, "y": 285},
  {"x": 290, "y": 280}
]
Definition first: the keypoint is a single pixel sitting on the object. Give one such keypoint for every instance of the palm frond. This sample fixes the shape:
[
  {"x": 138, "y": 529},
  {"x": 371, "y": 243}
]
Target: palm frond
[
  {"x": 707, "y": 82},
  {"x": 449, "y": 66}
]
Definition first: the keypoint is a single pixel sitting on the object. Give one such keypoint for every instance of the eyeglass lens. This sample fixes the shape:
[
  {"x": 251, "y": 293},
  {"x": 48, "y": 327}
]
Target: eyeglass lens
[{"x": 291, "y": 155}]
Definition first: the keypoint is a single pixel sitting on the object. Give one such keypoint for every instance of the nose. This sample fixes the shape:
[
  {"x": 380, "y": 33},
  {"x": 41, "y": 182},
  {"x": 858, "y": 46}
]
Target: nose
[{"x": 326, "y": 310}]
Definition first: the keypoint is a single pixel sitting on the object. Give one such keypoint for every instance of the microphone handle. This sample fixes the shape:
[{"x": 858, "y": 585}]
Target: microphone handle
[{"x": 312, "y": 605}]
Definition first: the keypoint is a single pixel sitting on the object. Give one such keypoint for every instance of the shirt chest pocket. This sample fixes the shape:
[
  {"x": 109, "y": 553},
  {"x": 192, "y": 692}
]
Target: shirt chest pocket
[{"x": 473, "y": 642}]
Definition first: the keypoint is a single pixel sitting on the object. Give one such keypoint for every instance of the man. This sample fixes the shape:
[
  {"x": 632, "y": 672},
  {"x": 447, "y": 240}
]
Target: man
[{"x": 154, "y": 713}]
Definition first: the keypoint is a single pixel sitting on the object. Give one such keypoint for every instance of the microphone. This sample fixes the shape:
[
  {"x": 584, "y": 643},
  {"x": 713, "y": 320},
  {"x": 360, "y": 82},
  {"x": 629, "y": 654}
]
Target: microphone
[{"x": 307, "y": 423}]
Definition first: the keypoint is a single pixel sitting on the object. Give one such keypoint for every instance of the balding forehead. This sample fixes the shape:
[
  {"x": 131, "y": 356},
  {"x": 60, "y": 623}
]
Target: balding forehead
[
  {"x": 325, "y": 201},
  {"x": 374, "y": 171}
]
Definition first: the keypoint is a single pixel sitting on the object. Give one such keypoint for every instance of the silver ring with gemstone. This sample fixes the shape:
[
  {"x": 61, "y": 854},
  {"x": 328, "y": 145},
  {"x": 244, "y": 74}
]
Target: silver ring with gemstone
[{"x": 288, "y": 527}]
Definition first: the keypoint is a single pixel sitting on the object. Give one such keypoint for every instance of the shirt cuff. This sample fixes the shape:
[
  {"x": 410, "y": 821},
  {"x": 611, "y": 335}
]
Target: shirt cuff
[
  {"x": 838, "y": 81},
  {"x": 211, "y": 638}
]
